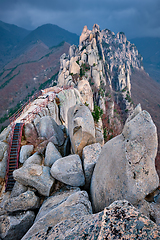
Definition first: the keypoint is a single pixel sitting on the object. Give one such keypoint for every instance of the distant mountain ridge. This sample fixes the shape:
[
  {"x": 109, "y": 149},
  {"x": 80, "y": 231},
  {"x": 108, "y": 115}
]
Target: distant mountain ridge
[
  {"x": 14, "y": 40},
  {"x": 149, "y": 47}
]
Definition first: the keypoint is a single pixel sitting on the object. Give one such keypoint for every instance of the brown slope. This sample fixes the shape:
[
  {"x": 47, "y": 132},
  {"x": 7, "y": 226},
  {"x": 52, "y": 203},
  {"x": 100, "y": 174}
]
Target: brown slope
[
  {"x": 147, "y": 92},
  {"x": 24, "y": 75}
]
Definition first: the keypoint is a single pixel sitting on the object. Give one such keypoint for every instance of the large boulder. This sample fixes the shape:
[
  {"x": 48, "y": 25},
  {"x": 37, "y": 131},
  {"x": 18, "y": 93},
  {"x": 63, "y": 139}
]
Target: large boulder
[
  {"x": 75, "y": 206},
  {"x": 53, "y": 111},
  {"x": 122, "y": 221},
  {"x": 35, "y": 176},
  {"x": 30, "y": 133},
  {"x": 90, "y": 156},
  {"x": 14, "y": 227},
  {"x": 118, "y": 221},
  {"x": 86, "y": 93},
  {"x": 74, "y": 67},
  {"x": 49, "y": 128},
  {"x": 34, "y": 159},
  {"x": 126, "y": 166},
  {"x": 81, "y": 127},
  {"x": 69, "y": 170},
  {"x": 18, "y": 189},
  {"x": 51, "y": 155},
  {"x": 25, "y": 153},
  {"x": 55, "y": 200},
  {"x": 25, "y": 201},
  {"x": 67, "y": 98}
]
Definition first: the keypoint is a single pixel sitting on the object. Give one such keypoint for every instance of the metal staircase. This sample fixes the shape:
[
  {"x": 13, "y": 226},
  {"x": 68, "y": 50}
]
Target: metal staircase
[{"x": 13, "y": 157}]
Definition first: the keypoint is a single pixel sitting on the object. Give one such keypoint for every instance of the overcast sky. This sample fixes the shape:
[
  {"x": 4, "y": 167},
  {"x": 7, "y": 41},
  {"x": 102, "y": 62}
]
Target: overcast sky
[{"x": 136, "y": 18}]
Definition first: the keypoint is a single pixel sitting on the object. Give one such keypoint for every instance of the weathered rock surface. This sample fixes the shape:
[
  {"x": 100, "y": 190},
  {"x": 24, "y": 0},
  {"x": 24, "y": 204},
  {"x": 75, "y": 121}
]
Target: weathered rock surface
[
  {"x": 14, "y": 227},
  {"x": 55, "y": 200},
  {"x": 122, "y": 221},
  {"x": 35, "y": 176},
  {"x": 34, "y": 159},
  {"x": 51, "y": 155},
  {"x": 75, "y": 206},
  {"x": 25, "y": 153},
  {"x": 53, "y": 111},
  {"x": 69, "y": 170},
  {"x": 85, "y": 227},
  {"x": 90, "y": 156},
  {"x": 86, "y": 93},
  {"x": 30, "y": 133},
  {"x": 25, "y": 201},
  {"x": 118, "y": 221},
  {"x": 81, "y": 128},
  {"x": 126, "y": 166},
  {"x": 3, "y": 164},
  {"x": 18, "y": 189},
  {"x": 48, "y": 128},
  {"x": 68, "y": 98}
]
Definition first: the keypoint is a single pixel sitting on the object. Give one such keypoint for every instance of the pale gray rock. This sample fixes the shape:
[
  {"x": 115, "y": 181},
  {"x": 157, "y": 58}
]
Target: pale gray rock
[
  {"x": 25, "y": 201},
  {"x": 4, "y": 135},
  {"x": 34, "y": 159},
  {"x": 3, "y": 148},
  {"x": 14, "y": 227},
  {"x": 35, "y": 176},
  {"x": 74, "y": 67},
  {"x": 68, "y": 98},
  {"x": 81, "y": 127},
  {"x": 90, "y": 156},
  {"x": 75, "y": 206},
  {"x": 18, "y": 189},
  {"x": 3, "y": 164},
  {"x": 51, "y": 155},
  {"x": 3, "y": 159},
  {"x": 99, "y": 135},
  {"x": 48, "y": 128},
  {"x": 69, "y": 170},
  {"x": 25, "y": 153},
  {"x": 96, "y": 77},
  {"x": 53, "y": 111},
  {"x": 93, "y": 57},
  {"x": 4, "y": 197},
  {"x": 55, "y": 200},
  {"x": 126, "y": 166},
  {"x": 86, "y": 93}
]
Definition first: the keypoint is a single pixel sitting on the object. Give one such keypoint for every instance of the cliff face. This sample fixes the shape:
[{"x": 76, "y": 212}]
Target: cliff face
[{"x": 105, "y": 61}]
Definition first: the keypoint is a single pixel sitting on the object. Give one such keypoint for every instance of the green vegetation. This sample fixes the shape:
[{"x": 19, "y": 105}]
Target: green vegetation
[
  {"x": 97, "y": 113},
  {"x": 124, "y": 89},
  {"x": 84, "y": 67},
  {"x": 128, "y": 98}
]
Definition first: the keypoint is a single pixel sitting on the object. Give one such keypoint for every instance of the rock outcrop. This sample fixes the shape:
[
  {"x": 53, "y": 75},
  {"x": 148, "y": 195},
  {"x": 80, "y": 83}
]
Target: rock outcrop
[
  {"x": 36, "y": 176},
  {"x": 81, "y": 128},
  {"x": 126, "y": 166},
  {"x": 69, "y": 170}
]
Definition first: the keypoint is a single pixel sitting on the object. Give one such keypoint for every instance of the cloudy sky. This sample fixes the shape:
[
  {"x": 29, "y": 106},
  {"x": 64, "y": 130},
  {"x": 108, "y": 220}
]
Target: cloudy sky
[{"x": 136, "y": 18}]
